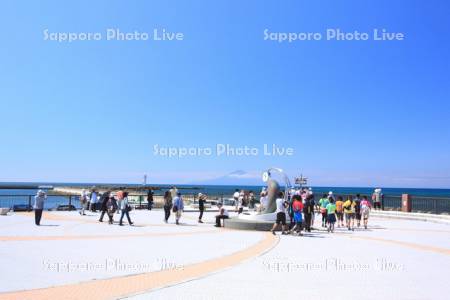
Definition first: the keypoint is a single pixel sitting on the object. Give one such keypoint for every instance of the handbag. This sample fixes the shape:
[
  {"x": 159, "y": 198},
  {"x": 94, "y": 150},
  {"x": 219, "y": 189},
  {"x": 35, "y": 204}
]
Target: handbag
[{"x": 175, "y": 208}]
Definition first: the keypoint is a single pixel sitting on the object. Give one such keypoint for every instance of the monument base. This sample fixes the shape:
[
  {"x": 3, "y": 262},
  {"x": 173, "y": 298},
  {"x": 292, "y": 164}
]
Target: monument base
[{"x": 252, "y": 221}]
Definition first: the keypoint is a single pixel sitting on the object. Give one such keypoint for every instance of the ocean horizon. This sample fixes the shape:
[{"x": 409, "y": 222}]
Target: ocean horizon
[{"x": 218, "y": 189}]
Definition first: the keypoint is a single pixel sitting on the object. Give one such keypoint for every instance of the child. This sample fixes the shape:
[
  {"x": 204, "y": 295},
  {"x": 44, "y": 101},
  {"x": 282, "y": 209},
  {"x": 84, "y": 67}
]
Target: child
[
  {"x": 331, "y": 217},
  {"x": 340, "y": 211},
  {"x": 365, "y": 209}
]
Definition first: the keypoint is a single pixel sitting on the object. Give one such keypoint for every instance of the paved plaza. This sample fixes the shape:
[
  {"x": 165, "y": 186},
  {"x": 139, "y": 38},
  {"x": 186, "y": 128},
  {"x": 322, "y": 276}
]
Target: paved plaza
[{"x": 75, "y": 257}]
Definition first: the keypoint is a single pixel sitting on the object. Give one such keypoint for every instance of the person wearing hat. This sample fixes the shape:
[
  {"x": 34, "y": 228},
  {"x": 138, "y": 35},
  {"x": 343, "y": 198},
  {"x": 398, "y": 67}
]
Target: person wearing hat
[
  {"x": 201, "y": 206},
  {"x": 38, "y": 206},
  {"x": 330, "y": 194}
]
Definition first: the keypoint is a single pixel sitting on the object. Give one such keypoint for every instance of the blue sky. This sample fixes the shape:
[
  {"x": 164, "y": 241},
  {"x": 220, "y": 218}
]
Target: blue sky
[{"x": 356, "y": 113}]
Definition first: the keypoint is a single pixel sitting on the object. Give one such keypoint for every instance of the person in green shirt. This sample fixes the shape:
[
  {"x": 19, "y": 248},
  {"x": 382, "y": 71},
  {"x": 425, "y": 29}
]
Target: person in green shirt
[
  {"x": 331, "y": 214},
  {"x": 323, "y": 202}
]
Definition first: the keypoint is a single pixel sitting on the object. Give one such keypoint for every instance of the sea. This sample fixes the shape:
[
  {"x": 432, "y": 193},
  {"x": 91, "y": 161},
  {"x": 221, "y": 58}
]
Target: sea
[{"x": 10, "y": 197}]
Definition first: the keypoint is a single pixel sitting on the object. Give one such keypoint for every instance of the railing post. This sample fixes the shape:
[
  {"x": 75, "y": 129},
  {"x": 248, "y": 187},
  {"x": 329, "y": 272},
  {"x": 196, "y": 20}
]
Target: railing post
[
  {"x": 140, "y": 202},
  {"x": 29, "y": 203},
  {"x": 70, "y": 202},
  {"x": 435, "y": 206}
]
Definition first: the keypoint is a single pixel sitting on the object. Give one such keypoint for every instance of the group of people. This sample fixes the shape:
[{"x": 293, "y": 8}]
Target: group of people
[
  {"x": 301, "y": 208},
  {"x": 243, "y": 198},
  {"x": 353, "y": 208},
  {"x": 173, "y": 202},
  {"x": 108, "y": 203}
]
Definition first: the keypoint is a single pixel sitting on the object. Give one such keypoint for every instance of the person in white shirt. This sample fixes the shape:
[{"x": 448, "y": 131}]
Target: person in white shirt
[
  {"x": 263, "y": 201},
  {"x": 223, "y": 214},
  {"x": 281, "y": 214},
  {"x": 241, "y": 201},
  {"x": 236, "y": 199},
  {"x": 173, "y": 192}
]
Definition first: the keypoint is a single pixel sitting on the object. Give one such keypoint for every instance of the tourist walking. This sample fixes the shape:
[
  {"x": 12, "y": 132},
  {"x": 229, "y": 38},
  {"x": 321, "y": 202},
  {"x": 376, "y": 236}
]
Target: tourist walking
[
  {"x": 111, "y": 207},
  {"x": 297, "y": 208},
  {"x": 340, "y": 211},
  {"x": 223, "y": 214},
  {"x": 290, "y": 212},
  {"x": 38, "y": 206},
  {"x": 365, "y": 210},
  {"x": 103, "y": 203},
  {"x": 312, "y": 199},
  {"x": 308, "y": 211},
  {"x": 178, "y": 206},
  {"x": 357, "y": 201},
  {"x": 150, "y": 200},
  {"x": 119, "y": 196},
  {"x": 331, "y": 214},
  {"x": 167, "y": 205},
  {"x": 281, "y": 205},
  {"x": 93, "y": 200},
  {"x": 125, "y": 209},
  {"x": 83, "y": 202},
  {"x": 349, "y": 210},
  {"x": 323, "y": 202},
  {"x": 201, "y": 206}
]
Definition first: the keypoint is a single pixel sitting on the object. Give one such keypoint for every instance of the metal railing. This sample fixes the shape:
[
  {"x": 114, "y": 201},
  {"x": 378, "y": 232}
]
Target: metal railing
[
  {"x": 436, "y": 205},
  {"x": 139, "y": 201},
  {"x": 52, "y": 201}
]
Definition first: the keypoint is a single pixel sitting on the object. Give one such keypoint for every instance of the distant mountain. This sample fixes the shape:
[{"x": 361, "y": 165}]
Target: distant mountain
[{"x": 238, "y": 177}]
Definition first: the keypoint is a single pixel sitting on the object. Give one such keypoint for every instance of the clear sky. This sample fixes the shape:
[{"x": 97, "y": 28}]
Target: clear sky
[{"x": 356, "y": 113}]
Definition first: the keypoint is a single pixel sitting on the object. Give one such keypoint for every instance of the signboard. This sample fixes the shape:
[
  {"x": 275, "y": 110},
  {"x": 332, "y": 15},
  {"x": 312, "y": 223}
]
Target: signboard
[{"x": 301, "y": 180}]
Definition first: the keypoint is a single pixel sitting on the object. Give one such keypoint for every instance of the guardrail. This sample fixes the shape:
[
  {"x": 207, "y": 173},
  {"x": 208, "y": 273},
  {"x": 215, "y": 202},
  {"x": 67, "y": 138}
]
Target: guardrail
[
  {"x": 73, "y": 201},
  {"x": 436, "y": 205},
  {"x": 28, "y": 200}
]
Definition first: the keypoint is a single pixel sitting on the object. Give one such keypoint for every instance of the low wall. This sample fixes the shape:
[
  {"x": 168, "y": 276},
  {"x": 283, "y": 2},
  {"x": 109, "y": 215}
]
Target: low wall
[{"x": 443, "y": 219}]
